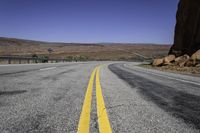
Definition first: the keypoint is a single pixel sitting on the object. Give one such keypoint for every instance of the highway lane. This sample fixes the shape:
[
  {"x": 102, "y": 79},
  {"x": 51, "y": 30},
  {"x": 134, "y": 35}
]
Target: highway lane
[
  {"x": 51, "y": 98},
  {"x": 20, "y": 68},
  {"x": 43, "y": 100},
  {"x": 172, "y": 99}
]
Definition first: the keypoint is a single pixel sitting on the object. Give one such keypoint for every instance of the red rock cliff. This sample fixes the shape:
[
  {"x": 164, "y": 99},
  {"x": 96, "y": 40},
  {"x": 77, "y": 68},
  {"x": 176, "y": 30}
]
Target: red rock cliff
[{"x": 187, "y": 30}]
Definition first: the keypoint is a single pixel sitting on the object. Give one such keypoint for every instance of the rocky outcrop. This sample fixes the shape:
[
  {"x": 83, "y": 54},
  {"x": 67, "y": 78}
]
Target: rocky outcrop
[
  {"x": 187, "y": 30},
  {"x": 196, "y": 56},
  {"x": 168, "y": 59},
  {"x": 185, "y": 52},
  {"x": 157, "y": 62},
  {"x": 181, "y": 61}
]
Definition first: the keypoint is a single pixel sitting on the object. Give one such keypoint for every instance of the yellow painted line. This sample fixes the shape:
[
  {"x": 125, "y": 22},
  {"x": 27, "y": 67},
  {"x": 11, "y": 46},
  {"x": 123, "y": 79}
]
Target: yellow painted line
[
  {"x": 103, "y": 121},
  {"x": 84, "y": 122}
]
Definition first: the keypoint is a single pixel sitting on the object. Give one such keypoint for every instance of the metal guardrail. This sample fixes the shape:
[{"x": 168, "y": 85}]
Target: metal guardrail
[{"x": 10, "y": 59}]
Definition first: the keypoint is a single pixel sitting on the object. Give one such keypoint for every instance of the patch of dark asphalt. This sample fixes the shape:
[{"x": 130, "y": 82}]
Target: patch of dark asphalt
[
  {"x": 3, "y": 104},
  {"x": 34, "y": 90},
  {"x": 59, "y": 96},
  {"x": 178, "y": 103},
  {"x": 35, "y": 123},
  {"x": 56, "y": 76},
  {"x": 15, "y": 92},
  {"x": 23, "y": 83},
  {"x": 14, "y": 73},
  {"x": 64, "y": 72}
]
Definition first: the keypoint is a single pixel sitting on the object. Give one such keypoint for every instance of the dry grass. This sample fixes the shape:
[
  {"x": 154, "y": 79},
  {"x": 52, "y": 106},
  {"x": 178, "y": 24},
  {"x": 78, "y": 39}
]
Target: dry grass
[{"x": 19, "y": 47}]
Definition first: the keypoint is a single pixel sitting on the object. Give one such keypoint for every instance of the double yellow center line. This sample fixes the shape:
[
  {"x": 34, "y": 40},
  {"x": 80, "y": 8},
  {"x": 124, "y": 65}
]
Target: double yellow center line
[{"x": 103, "y": 121}]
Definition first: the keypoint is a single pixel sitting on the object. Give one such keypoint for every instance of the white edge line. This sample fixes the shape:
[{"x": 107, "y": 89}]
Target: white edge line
[
  {"x": 182, "y": 80},
  {"x": 49, "y": 68}
]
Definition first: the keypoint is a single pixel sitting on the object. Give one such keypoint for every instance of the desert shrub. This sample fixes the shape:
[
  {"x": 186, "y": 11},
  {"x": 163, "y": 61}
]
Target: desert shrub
[
  {"x": 82, "y": 58},
  {"x": 76, "y": 58},
  {"x": 35, "y": 56},
  {"x": 69, "y": 58},
  {"x": 44, "y": 59}
]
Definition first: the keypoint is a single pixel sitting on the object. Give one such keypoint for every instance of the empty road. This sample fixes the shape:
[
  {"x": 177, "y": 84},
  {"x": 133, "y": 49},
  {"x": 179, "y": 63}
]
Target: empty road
[{"x": 104, "y": 97}]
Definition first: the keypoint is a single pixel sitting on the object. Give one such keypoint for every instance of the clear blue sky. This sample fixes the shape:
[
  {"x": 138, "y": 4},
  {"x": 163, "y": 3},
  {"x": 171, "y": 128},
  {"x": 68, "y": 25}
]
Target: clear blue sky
[{"x": 142, "y": 21}]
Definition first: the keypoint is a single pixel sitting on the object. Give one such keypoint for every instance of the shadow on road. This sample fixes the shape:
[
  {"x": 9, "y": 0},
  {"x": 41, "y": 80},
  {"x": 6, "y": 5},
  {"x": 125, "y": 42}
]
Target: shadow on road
[{"x": 12, "y": 92}]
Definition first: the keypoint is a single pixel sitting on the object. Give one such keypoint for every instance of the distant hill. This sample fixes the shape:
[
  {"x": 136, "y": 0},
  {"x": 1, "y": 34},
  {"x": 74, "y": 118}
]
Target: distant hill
[{"x": 98, "y": 51}]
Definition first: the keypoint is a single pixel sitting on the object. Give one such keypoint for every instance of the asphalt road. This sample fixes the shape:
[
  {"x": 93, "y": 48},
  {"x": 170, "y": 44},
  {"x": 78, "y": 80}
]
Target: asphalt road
[{"x": 120, "y": 96}]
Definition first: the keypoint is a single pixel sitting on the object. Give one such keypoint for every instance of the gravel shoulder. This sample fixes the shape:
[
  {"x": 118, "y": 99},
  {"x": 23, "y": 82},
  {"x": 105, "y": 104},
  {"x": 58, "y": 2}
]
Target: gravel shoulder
[{"x": 191, "y": 71}]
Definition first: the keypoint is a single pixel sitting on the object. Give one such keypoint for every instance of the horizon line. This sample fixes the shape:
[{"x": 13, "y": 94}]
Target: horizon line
[{"x": 45, "y": 41}]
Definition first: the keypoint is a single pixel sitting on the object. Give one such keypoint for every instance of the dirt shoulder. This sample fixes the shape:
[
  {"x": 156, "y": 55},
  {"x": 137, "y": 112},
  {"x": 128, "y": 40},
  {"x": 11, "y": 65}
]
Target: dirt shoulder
[{"x": 192, "y": 71}]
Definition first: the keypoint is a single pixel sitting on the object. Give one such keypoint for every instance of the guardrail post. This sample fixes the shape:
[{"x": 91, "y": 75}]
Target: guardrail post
[{"x": 9, "y": 60}]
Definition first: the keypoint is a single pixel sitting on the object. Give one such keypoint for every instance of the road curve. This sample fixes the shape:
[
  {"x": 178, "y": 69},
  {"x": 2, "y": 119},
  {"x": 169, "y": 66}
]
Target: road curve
[
  {"x": 50, "y": 98},
  {"x": 179, "y": 95}
]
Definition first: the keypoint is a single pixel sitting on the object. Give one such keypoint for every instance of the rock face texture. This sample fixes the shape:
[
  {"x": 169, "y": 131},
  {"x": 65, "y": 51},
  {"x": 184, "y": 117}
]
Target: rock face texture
[
  {"x": 157, "y": 62},
  {"x": 187, "y": 31}
]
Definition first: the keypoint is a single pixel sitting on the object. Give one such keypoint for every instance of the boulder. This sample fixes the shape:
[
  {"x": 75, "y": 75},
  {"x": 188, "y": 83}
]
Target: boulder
[
  {"x": 158, "y": 62},
  {"x": 190, "y": 63},
  {"x": 182, "y": 60},
  {"x": 168, "y": 59},
  {"x": 187, "y": 30},
  {"x": 196, "y": 56}
]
